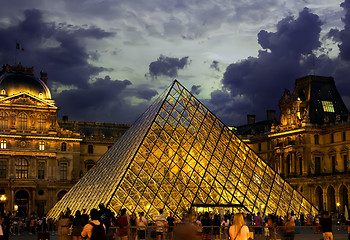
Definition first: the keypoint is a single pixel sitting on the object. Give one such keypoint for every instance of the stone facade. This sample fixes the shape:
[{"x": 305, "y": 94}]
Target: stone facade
[
  {"x": 309, "y": 145},
  {"x": 42, "y": 157}
]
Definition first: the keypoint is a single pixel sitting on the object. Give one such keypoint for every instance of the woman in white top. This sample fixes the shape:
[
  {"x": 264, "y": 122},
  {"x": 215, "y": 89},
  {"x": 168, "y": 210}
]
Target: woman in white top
[{"x": 239, "y": 231}]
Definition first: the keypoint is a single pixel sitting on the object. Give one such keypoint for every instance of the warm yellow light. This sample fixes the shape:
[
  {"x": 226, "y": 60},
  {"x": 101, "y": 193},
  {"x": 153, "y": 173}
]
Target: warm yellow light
[
  {"x": 338, "y": 204},
  {"x": 15, "y": 207},
  {"x": 148, "y": 206},
  {"x": 3, "y": 198}
]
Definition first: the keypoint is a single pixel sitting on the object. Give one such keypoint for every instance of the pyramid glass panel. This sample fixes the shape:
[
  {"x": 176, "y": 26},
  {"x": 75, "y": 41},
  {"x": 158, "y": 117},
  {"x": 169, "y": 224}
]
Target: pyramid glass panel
[{"x": 178, "y": 155}]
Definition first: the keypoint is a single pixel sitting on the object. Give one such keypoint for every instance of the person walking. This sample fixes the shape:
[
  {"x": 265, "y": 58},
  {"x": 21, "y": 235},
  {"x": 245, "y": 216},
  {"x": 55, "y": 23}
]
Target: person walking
[
  {"x": 326, "y": 225},
  {"x": 239, "y": 231}
]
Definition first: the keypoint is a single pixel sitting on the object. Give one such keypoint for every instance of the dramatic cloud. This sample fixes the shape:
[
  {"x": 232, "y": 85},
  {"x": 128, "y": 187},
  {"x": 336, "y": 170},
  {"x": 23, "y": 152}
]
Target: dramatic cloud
[
  {"x": 260, "y": 81},
  {"x": 167, "y": 66},
  {"x": 344, "y": 35},
  {"x": 196, "y": 89},
  {"x": 58, "y": 49},
  {"x": 104, "y": 101}
]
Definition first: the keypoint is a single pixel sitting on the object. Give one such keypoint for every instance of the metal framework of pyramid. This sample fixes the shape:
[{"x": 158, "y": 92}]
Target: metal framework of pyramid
[{"x": 176, "y": 155}]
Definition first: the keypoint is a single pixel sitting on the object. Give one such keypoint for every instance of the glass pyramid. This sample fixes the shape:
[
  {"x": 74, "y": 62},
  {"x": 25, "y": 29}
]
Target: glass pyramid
[{"x": 175, "y": 156}]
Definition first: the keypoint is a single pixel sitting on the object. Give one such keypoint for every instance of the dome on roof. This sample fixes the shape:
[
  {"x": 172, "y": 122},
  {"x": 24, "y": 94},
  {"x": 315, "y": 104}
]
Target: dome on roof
[{"x": 18, "y": 79}]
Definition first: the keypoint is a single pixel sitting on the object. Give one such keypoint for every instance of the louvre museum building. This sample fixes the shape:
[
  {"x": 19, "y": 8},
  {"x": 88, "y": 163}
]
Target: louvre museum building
[
  {"x": 177, "y": 156},
  {"x": 42, "y": 157}
]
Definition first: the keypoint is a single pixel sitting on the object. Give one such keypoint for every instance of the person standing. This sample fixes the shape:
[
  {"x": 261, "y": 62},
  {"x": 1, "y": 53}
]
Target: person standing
[
  {"x": 94, "y": 230},
  {"x": 326, "y": 225},
  {"x": 171, "y": 224},
  {"x": 258, "y": 222},
  {"x": 161, "y": 223},
  {"x": 239, "y": 231},
  {"x": 133, "y": 229},
  {"x": 142, "y": 223},
  {"x": 63, "y": 227},
  {"x": 122, "y": 222},
  {"x": 77, "y": 226},
  {"x": 207, "y": 224}
]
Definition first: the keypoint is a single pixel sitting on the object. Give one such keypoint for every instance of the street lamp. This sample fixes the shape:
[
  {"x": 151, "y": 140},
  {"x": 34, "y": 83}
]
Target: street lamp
[
  {"x": 338, "y": 204},
  {"x": 2, "y": 198}
]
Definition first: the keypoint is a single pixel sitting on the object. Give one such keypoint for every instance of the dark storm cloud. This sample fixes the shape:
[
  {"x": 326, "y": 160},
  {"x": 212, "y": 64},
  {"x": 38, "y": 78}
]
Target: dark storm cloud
[
  {"x": 196, "y": 89},
  {"x": 146, "y": 93},
  {"x": 257, "y": 83},
  {"x": 167, "y": 66},
  {"x": 344, "y": 34},
  {"x": 57, "y": 48},
  {"x": 215, "y": 65},
  {"x": 104, "y": 101}
]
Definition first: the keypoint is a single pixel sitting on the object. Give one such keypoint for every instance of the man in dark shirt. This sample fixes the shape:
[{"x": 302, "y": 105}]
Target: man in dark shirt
[
  {"x": 207, "y": 225},
  {"x": 326, "y": 224}
]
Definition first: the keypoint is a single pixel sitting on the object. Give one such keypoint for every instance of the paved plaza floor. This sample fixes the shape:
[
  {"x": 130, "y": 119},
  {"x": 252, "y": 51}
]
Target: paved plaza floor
[{"x": 306, "y": 234}]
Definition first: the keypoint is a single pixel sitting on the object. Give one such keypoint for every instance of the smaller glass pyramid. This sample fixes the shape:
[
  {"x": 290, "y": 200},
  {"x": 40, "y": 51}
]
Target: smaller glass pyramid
[{"x": 178, "y": 155}]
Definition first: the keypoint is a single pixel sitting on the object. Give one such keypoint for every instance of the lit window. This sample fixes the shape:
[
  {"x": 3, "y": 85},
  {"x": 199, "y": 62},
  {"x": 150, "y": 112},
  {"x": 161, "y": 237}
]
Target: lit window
[
  {"x": 4, "y": 120},
  {"x": 90, "y": 149},
  {"x": 41, "y": 96},
  {"x": 41, "y": 170},
  {"x": 21, "y": 168},
  {"x": 64, "y": 147},
  {"x": 22, "y": 121},
  {"x": 63, "y": 171},
  {"x": 41, "y": 145},
  {"x": 327, "y": 106},
  {"x": 41, "y": 123},
  {"x": 3, "y": 169},
  {"x": 3, "y": 92},
  {"x": 3, "y": 144}
]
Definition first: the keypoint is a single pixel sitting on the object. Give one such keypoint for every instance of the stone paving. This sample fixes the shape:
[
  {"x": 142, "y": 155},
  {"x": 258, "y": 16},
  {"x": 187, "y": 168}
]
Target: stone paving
[{"x": 307, "y": 234}]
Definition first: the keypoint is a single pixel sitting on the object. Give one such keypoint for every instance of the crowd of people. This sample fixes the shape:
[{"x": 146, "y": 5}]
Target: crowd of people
[{"x": 103, "y": 225}]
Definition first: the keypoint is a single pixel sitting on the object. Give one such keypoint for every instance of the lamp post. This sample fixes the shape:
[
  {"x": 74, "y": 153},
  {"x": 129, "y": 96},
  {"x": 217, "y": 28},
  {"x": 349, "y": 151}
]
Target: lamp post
[
  {"x": 2, "y": 202},
  {"x": 338, "y": 204}
]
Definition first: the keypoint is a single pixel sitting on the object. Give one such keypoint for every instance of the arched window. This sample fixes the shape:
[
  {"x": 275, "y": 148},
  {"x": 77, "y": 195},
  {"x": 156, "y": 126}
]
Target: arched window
[
  {"x": 41, "y": 123},
  {"x": 343, "y": 196},
  {"x": 3, "y": 92},
  {"x": 319, "y": 198},
  {"x": 3, "y": 144},
  {"x": 4, "y": 120},
  {"x": 21, "y": 168},
  {"x": 41, "y": 96},
  {"x": 22, "y": 121},
  {"x": 64, "y": 147},
  {"x": 331, "y": 199},
  {"x": 42, "y": 145}
]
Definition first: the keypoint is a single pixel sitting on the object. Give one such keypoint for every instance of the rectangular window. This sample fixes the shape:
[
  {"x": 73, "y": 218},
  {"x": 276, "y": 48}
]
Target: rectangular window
[
  {"x": 327, "y": 106},
  {"x": 90, "y": 149},
  {"x": 332, "y": 137},
  {"x": 41, "y": 170},
  {"x": 333, "y": 163},
  {"x": 63, "y": 171},
  {"x": 344, "y": 136},
  {"x": 345, "y": 160},
  {"x": 3, "y": 169},
  {"x": 317, "y": 165},
  {"x": 3, "y": 144}
]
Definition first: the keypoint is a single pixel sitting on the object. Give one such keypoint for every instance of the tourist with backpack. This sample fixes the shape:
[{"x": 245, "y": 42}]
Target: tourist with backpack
[{"x": 94, "y": 230}]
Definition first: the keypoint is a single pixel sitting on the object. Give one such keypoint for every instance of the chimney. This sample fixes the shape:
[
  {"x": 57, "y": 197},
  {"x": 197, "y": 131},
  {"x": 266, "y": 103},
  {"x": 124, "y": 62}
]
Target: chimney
[
  {"x": 65, "y": 118},
  {"x": 271, "y": 114},
  {"x": 43, "y": 77},
  {"x": 251, "y": 119}
]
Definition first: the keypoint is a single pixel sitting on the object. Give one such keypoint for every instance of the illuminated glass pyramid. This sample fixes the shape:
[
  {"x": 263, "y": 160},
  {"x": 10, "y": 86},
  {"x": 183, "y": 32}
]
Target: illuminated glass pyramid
[{"x": 177, "y": 155}]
